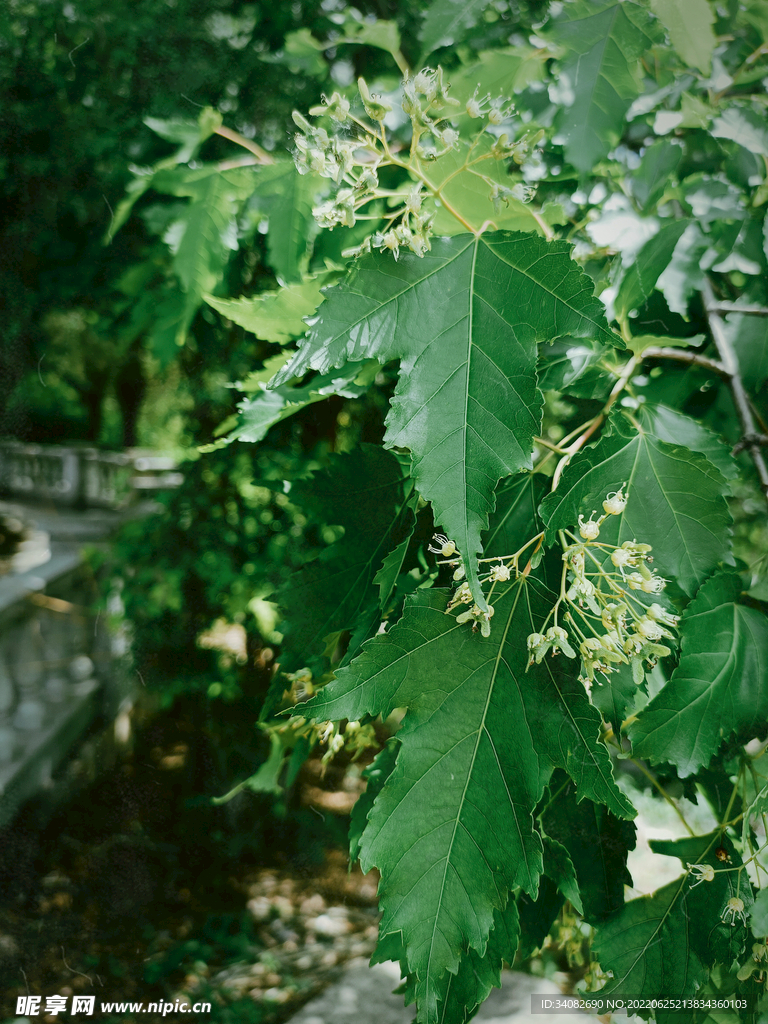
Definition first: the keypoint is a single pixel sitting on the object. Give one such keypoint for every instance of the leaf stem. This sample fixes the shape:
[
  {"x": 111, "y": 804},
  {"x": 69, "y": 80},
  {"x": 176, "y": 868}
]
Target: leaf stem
[
  {"x": 624, "y": 377},
  {"x": 252, "y": 147},
  {"x": 652, "y": 778}
]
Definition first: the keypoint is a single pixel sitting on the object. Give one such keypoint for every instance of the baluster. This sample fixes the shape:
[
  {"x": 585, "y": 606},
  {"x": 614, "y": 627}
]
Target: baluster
[
  {"x": 7, "y": 698},
  {"x": 27, "y": 669},
  {"x": 56, "y": 631}
]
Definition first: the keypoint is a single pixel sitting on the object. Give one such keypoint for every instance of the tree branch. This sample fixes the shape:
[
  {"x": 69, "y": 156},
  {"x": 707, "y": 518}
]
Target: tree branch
[
  {"x": 684, "y": 356},
  {"x": 732, "y": 307},
  {"x": 740, "y": 398}
]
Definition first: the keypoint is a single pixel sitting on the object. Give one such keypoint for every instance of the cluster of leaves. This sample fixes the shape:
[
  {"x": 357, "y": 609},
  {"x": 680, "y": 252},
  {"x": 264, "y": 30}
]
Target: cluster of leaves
[{"x": 605, "y": 337}]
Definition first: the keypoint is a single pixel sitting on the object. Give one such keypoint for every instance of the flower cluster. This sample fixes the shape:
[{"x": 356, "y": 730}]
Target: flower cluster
[
  {"x": 500, "y": 569},
  {"x": 608, "y": 623},
  {"x": 352, "y": 153}
]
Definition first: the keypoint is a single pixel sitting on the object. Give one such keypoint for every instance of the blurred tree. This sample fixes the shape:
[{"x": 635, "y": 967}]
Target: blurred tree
[{"x": 78, "y": 81}]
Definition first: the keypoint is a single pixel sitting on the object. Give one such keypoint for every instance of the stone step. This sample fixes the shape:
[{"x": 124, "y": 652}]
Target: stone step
[{"x": 363, "y": 995}]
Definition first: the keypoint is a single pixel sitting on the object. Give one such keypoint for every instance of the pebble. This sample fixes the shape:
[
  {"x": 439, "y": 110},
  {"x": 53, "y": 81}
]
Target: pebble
[
  {"x": 329, "y": 927},
  {"x": 260, "y": 908}
]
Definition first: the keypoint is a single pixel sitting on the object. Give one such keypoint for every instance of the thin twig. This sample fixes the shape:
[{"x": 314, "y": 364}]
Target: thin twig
[
  {"x": 233, "y": 136},
  {"x": 732, "y": 307},
  {"x": 738, "y": 392},
  {"x": 683, "y": 356}
]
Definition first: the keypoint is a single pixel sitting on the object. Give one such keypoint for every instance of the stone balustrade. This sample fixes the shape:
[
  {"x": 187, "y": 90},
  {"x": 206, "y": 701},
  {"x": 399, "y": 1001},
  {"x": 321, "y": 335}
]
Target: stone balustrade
[
  {"x": 76, "y": 476},
  {"x": 64, "y": 669}
]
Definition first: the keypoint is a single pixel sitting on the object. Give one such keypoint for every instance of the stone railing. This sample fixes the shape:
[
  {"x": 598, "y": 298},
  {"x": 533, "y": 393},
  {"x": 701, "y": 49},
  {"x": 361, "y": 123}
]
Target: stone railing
[
  {"x": 63, "y": 665},
  {"x": 60, "y": 669},
  {"x": 77, "y": 476}
]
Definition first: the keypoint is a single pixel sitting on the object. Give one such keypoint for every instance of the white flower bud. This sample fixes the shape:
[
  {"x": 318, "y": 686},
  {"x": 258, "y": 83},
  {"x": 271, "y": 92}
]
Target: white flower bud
[
  {"x": 589, "y": 530},
  {"x": 615, "y": 503}
]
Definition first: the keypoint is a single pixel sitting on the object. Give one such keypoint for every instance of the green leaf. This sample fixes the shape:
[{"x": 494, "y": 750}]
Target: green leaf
[
  {"x": 287, "y": 198},
  {"x": 676, "y": 428},
  {"x": 201, "y": 239},
  {"x": 501, "y": 72},
  {"x": 537, "y": 918},
  {"x": 600, "y": 75},
  {"x": 615, "y": 696},
  {"x": 663, "y": 944},
  {"x": 597, "y": 843},
  {"x": 676, "y": 501},
  {"x": 575, "y": 367},
  {"x": 719, "y": 688},
  {"x": 326, "y": 595},
  {"x": 745, "y": 126},
  {"x": 689, "y": 24},
  {"x": 516, "y": 518},
  {"x": 749, "y": 337},
  {"x": 446, "y": 22},
  {"x": 559, "y": 867},
  {"x": 477, "y": 975},
  {"x": 386, "y": 578},
  {"x": 384, "y": 35},
  {"x": 638, "y": 343},
  {"x": 641, "y": 276},
  {"x": 683, "y": 276},
  {"x": 256, "y": 415},
  {"x": 273, "y": 316},
  {"x": 375, "y": 775},
  {"x": 725, "y": 941},
  {"x": 302, "y": 55},
  {"x": 190, "y": 134},
  {"x": 168, "y": 323},
  {"x": 464, "y": 321},
  {"x": 758, "y": 918},
  {"x": 655, "y": 173},
  {"x": 470, "y": 196},
  {"x": 758, "y": 806},
  {"x": 452, "y": 829}
]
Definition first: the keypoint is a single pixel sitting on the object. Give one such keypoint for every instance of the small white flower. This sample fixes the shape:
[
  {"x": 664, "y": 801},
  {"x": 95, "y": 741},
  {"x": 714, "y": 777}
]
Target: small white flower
[
  {"x": 734, "y": 908},
  {"x": 441, "y": 545},
  {"x": 589, "y": 530},
  {"x": 648, "y": 628},
  {"x": 615, "y": 503},
  {"x": 702, "y": 873},
  {"x": 500, "y": 573},
  {"x": 621, "y": 558}
]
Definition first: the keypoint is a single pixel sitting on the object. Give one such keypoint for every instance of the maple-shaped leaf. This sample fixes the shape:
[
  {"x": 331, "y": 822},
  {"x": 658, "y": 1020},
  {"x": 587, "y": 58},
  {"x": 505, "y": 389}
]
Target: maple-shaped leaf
[
  {"x": 451, "y": 830},
  {"x": 273, "y": 316},
  {"x": 720, "y": 686},
  {"x": 464, "y": 321},
  {"x": 675, "y": 501},
  {"x": 677, "y": 428},
  {"x": 326, "y": 595},
  {"x": 200, "y": 239},
  {"x": 287, "y": 198},
  {"x": 600, "y": 74},
  {"x": 664, "y": 943}
]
